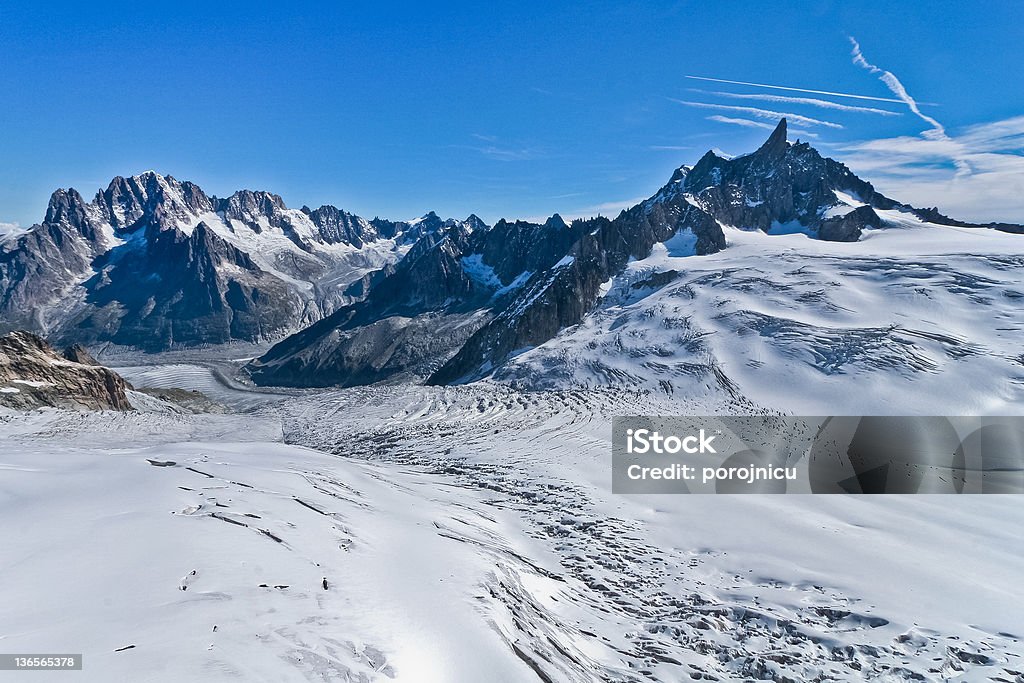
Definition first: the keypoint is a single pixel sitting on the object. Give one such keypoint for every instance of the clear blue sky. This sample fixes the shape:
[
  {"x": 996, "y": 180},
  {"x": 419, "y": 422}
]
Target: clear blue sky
[{"x": 503, "y": 109}]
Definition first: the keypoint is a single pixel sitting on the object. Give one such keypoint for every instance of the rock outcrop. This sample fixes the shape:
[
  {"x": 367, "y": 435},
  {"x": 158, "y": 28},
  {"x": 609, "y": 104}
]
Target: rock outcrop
[{"x": 34, "y": 375}]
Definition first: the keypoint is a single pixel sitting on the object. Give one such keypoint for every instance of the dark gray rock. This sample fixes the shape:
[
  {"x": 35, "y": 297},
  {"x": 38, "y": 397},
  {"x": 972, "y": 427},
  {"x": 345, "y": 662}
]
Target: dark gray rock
[
  {"x": 76, "y": 353},
  {"x": 848, "y": 227}
]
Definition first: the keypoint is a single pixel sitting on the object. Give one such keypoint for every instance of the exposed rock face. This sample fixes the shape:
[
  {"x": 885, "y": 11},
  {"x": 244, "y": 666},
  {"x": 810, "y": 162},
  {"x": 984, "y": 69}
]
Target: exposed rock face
[
  {"x": 40, "y": 267},
  {"x": 154, "y": 262},
  {"x": 76, "y": 353},
  {"x": 465, "y": 299},
  {"x": 409, "y": 322},
  {"x": 779, "y": 184},
  {"x": 33, "y": 375},
  {"x": 849, "y": 226},
  {"x": 205, "y": 291},
  {"x": 561, "y": 295}
]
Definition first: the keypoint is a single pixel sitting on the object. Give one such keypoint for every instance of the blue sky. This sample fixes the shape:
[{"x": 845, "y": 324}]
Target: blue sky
[{"x": 503, "y": 109}]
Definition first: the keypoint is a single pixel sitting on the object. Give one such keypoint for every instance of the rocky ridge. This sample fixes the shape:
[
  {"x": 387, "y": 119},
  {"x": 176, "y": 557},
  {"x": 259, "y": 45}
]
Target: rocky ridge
[{"x": 34, "y": 375}]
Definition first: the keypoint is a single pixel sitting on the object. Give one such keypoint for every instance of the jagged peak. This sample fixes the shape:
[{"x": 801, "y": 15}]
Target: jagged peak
[
  {"x": 679, "y": 174},
  {"x": 475, "y": 222},
  {"x": 776, "y": 142},
  {"x": 429, "y": 218},
  {"x": 65, "y": 204},
  {"x": 150, "y": 174},
  {"x": 145, "y": 181},
  {"x": 556, "y": 221},
  {"x": 242, "y": 201}
]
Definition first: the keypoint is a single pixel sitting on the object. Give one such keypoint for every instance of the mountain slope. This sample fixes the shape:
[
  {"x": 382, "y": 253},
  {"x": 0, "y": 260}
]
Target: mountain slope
[
  {"x": 913, "y": 316},
  {"x": 154, "y": 262},
  {"x": 549, "y": 278},
  {"x": 421, "y": 311}
]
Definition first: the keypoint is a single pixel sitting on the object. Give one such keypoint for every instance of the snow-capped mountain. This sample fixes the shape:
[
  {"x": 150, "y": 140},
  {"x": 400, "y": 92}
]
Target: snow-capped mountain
[
  {"x": 463, "y": 303},
  {"x": 154, "y": 262}
]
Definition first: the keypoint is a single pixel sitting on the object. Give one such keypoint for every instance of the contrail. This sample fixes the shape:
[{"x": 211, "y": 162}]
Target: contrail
[
  {"x": 937, "y": 132},
  {"x": 747, "y": 123},
  {"x": 897, "y": 88},
  {"x": 815, "y": 92},
  {"x": 741, "y": 122},
  {"x": 785, "y": 99}
]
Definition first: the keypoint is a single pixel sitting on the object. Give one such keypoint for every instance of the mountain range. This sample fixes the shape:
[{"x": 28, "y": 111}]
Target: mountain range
[{"x": 155, "y": 263}]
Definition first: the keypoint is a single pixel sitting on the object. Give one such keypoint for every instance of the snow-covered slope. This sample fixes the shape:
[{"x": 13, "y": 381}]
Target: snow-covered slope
[
  {"x": 908, "y": 315},
  {"x": 469, "y": 534}
]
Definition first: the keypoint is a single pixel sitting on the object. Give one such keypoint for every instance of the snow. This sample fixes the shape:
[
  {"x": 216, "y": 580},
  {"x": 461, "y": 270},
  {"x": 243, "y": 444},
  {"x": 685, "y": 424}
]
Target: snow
[
  {"x": 463, "y": 532},
  {"x": 203, "y": 378},
  {"x": 900, "y": 321},
  {"x": 10, "y": 390},
  {"x": 847, "y": 203},
  {"x": 479, "y": 271},
  {"x": 484, "y": 275},
  {"x": 35, "y": 384},
  {"x": 518, "y": 282},
  {"x": 470, "y": 533},
  {"x": 683, "y": 243},
  {"x": 11, "y": 231},
  {"x": 393, "y": 581},
  {"x": 565, "y": 261}
]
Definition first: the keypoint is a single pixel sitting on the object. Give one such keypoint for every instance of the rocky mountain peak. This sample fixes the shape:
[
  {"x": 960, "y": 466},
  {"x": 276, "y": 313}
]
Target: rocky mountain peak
[
  {"x": 254, "y": 201},
  {"x": 776, "y": 144},
  {"x": 149, "y": 196},
  {"x": 556, "y": 222},
  {"x": 66, "y": 206},
  {"x": 475, "y": 222}
]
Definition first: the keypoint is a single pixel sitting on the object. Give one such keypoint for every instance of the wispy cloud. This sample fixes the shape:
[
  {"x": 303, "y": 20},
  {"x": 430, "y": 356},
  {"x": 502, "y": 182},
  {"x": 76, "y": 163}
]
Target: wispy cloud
[
  {"x": 508, "y": 153},
  {"x": 806, "y": 90},
  {"x": 926, "y": 170},
  {"x": 937, "y": 131},
  {"x": 783, "y": 99},
  {"x": 9, "y": 229},
  {"x": 499, "y": 151},
  {"x": 747, "y": 123},
  {"x": 668, "y": 148},
  {"x": 760, "y": 113}
]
